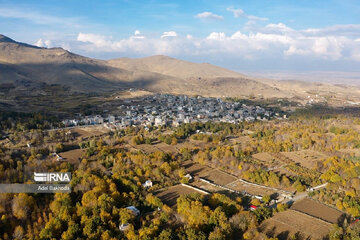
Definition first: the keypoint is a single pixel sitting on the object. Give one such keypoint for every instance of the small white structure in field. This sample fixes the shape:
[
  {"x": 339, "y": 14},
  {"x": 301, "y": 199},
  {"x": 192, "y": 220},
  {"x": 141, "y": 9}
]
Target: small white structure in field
[
  {"x": 148, "y": 184},
  {"x": 188, "y": 176},
  {"x": 124, "y": 227},
  {"x": 134, "y": 210},
  {"x": 28, "y": 145},
  {"x": 58, "y": 157}
]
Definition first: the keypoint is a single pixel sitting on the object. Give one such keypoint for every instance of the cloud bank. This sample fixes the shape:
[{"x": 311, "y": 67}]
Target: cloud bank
[{"x": 340, "y": 42}]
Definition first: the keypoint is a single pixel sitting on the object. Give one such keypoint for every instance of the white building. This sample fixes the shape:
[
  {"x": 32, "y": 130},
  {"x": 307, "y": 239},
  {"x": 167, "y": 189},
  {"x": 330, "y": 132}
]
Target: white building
[
  {"x": 148, "y": 184},
  {"x": 99, "y": 119},
  {"x": 124, "y": 227},
  {"x": 188, "y": 176},
  {"x": 111, "y": 119},
  {"x": 134, "y": 210},
  {"x": 158, "y": 121}
]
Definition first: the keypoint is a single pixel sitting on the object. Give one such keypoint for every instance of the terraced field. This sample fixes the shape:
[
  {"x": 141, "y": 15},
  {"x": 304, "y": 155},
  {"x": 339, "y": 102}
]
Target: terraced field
[{"x": 285, "y": 224}]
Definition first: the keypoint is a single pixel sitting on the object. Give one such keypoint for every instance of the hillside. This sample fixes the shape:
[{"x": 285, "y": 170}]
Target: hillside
[
  {"x": 27, "y": 67},
  {"x": 173, "y": 67},
  {"x": 25, "y": 64},
  {"x": 198, "y": 78}
]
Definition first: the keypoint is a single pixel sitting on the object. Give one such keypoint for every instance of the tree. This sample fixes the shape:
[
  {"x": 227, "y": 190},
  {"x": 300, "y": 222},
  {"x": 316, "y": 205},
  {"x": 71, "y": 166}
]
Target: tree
[
  {"x": 192, "y": 209},
  {"x": 174, "y": 141},
  {"x": 154, "y": 201},
  {"x": 165, "y": 234},
  {"x": 192, "y": 234},
  {"x": 217, "y": 234},
  {"x": 168, "y": 139},
  {"x": 22, "y": 205},
  {"x": 125, "y": 215},
  {"x": 59, "y": 147},
  {"x": 18, "y": 233},
  {"x": 266, "y": 198},
  {"x": 137, "y": 140},
  {"x": 262, "y": 213},
  {"x": 281, "y": 207},
  {"x": 336, "y": 232},
  {"x": 72, "y": 232},
  {"x": 255, "y": 202}
]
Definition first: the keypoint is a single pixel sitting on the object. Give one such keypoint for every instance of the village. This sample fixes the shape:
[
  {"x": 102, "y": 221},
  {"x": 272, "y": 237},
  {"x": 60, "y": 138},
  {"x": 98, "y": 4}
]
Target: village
[
  {"x": 172, "y": 110},
  {"x": 221, "y": 156}
]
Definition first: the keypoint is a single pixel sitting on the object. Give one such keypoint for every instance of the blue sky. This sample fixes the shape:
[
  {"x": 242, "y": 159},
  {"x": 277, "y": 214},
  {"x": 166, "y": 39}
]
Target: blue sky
[{"x": 253, "y": 35}]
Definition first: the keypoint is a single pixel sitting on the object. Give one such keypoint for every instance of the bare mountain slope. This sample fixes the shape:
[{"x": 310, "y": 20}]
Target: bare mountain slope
[
  {"x": 198, "y": 78},
  {"x": 26, "y": 65},
  {"x": 57, "y": 66},
  {"x": 173, "y": 67}
]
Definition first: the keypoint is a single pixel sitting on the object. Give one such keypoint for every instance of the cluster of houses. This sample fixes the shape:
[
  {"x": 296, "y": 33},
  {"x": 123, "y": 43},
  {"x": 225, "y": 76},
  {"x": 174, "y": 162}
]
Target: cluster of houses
[{"x": 166, "y": 109}]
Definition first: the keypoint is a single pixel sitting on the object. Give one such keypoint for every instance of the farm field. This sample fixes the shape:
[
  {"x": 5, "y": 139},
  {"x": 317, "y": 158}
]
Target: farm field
[
  {"x": 265, "y": 157},
  {"x": 163, "y": 147},
  {"x": 218, "y": 177},
  {"x": 306, "y": 158},
  {"x": 150, "y": 148},
  {"x": 73, "y": 156},
  {"x": 146, "y": 148},
  {"x": 206, "y": 186},
  {"x": 86, "y": 132},
  {"x": 285, "y": 224},
  {"x": 273, "y": 161},
  {"x": 130, "y": 148},
  {"x": 171, "y": 194},
  {"x": 318, "y": 210},
  {"x": 253, "y": 190},
  {"x": 195, "y": 169}
]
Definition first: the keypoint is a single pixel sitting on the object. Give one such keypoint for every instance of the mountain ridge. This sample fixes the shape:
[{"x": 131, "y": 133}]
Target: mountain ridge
[{"x": 23, "y": 63}]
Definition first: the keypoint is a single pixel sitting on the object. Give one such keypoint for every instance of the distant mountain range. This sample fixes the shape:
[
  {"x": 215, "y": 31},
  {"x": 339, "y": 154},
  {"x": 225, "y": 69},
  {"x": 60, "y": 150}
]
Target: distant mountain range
[{"x": 24, "y": 65}]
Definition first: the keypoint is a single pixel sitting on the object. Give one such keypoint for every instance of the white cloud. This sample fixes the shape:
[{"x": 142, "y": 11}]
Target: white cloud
[
  {"x": 209, "y": 16},
  {"x": 277, "y": 28},
  {"x": 239, "y": 35},
  {"x": 239, "y": 13},
  {"x": 43, "y": 43},
  {"x": 97, "y": 40},
  {"x": 169, "y": 34},
  {"x": 344, "y": 30},
  {"x": 295, "y": 51},
  {"x": 255, "y": 18},
  {"x": 216, "y": 36},
  {"x": 137, "y": 35},
  {"x": 274, "y": 41}
]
